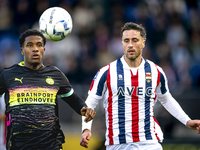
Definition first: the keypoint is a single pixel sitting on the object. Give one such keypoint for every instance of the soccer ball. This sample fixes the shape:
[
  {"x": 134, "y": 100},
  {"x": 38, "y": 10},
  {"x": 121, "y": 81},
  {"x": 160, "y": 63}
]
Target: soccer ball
[{"x": 55, "y": 23}]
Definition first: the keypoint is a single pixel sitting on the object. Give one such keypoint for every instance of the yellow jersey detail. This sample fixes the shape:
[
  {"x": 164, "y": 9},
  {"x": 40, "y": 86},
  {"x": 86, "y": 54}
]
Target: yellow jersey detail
[
  {"x": 20, "y": 80},
  {"x": 21, "y": 96},
  {"x": 50, "y": 81},
  {"x": 22, "y": 64}
]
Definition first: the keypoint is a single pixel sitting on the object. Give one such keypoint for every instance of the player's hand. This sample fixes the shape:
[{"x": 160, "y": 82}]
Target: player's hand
[
  {"x": 89, "y": 113},
  {"x": 194, "y": 124},
  {"x": 86, "y": 135}
]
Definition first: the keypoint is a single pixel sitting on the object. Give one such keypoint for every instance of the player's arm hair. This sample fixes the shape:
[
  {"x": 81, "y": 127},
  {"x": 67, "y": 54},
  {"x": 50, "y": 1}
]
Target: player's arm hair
[{"x": 75, "y": 102}]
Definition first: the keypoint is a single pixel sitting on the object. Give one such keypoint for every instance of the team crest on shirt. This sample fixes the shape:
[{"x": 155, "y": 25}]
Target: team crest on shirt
[
  {"x": 120, "y": 77},
  {"x": 50, "y": 81},
  {"x": 148, "y": 77}
]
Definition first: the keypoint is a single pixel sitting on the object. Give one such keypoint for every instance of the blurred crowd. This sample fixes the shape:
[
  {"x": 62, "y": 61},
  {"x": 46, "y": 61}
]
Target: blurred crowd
[{"x": 173, "y": 36}]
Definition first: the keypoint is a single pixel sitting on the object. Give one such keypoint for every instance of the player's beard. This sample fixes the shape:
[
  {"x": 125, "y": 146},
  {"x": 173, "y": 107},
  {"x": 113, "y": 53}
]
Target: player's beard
[
  {"x": 36, "y": 62},
  {"x": 133, "y": 57},
  {"x": 35, "y": 65}
]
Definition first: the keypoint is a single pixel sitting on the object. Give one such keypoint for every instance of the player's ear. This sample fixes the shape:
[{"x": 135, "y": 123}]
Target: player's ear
[
  {"x": 22, "y": 51},
  {"x": 143, "y": 43}
]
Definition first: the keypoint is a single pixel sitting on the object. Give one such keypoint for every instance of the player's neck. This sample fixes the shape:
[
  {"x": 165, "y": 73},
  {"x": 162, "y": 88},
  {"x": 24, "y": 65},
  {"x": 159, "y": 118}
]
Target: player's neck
[
  {"x": 34, "y": 66},
  {"x": 134, "y": 63}
]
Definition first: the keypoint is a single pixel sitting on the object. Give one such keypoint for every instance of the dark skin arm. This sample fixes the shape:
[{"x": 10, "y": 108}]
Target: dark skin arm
[
  {"x": 89, "y": 113},
  {"x": 80, "y": 107}
]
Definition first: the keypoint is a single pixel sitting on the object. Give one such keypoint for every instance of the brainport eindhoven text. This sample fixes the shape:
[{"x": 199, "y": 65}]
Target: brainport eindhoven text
[{"x": 36, "y": 97}]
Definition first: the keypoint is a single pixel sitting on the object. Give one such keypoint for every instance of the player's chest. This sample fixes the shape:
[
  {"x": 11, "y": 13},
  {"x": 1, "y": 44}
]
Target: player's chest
[
  {"x": 130, "y": 84},
  {"x": 32, "y": 79}
]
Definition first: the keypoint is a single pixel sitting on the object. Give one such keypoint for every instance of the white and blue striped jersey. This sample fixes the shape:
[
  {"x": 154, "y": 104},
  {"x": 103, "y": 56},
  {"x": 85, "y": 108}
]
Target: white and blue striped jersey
[{"x": 128, "y": 95}]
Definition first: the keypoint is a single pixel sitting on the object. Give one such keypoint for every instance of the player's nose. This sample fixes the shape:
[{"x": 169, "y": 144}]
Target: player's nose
[{"x": 35, "y": 49}]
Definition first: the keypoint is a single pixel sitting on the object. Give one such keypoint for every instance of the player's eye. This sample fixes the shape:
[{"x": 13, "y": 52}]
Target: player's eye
[
  {"x": 126, "y": 41},
  {"x": 39, "y": 44},
  {"x": 135, "y": 40},
  {"x": 29, "y": 45}
]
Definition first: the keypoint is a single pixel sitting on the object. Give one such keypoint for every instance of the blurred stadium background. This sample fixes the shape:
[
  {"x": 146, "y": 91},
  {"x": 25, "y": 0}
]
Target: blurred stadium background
[{"x": 173, "y": 42}]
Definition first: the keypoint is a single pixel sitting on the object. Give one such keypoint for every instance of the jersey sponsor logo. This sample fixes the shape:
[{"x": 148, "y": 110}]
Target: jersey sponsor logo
[
  {"x": 32, "y": 96},
  {"x": 50, "y": 81},
  {"x": 139, "y": 91},
  {"x": 148, "y": 77},
  {"x": 20, "y": 80}
]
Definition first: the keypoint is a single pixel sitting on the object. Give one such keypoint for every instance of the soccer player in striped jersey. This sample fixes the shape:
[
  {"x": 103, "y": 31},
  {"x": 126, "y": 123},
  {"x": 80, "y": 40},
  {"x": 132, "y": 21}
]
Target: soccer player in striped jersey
[{"x": 129, "y": 88}]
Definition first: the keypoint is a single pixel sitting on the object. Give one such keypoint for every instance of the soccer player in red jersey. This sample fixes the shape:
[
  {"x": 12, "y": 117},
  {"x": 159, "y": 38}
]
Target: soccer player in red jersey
[{"x": 129, "y": 88}]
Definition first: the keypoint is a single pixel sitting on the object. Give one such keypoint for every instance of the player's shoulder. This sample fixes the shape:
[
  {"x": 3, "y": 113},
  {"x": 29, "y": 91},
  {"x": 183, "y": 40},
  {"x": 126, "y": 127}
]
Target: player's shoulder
[
  {"x": 48, "y": 67},
  {"x": 11, "y": 68},
  {"x": 104, "y": 68},
  {"x": 107, "y": 66},
  {"x": 52, "y": 68},
  {"x": 152, "y": 64}
]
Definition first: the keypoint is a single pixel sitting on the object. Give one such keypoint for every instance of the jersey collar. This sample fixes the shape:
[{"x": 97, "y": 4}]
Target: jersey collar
[
  {"x": 22, "y": 64},
  {"x": 127, "y": 66}
]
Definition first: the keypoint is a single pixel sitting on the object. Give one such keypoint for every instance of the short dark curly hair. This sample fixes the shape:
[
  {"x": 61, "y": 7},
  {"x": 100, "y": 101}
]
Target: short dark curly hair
[
  {"x": 30, "y": 32},
  {"x": 134, "y": 26}
]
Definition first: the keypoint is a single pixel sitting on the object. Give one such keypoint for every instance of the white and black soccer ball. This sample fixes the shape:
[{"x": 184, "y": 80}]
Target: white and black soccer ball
[{"x": 55, "y": 23}]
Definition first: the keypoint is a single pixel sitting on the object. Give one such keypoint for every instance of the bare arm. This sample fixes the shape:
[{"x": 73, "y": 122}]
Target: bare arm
[
  {"x": 194, "y": 124},
  {"x": 80, "y": 106},
  {"x": 89, "y": 113},
  {"x": 86, "y": 135}
]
